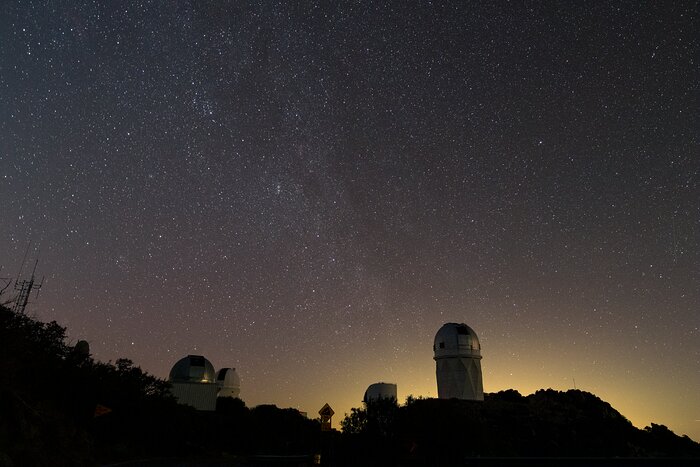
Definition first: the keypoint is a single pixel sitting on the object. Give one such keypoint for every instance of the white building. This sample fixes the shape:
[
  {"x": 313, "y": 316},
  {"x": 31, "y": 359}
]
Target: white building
[
  {"x": 194, "y": 382},
  {"x": 379, "y": 391},
  {"x": 229, "y": 382},
  {"x": 458, "y": 363}
]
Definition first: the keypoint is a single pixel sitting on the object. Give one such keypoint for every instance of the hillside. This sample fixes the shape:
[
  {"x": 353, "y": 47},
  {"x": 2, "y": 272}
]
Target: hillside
[{"x": 49, "y": 391}]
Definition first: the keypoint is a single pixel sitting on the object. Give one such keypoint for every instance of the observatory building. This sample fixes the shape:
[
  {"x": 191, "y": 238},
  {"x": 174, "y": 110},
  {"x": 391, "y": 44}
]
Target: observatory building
[
  {"x": 458, "y": 363},
  {"x": 379, "y": 391},
  {"x": 229, "y": 383},
  {"x": 194, "y": 382}
]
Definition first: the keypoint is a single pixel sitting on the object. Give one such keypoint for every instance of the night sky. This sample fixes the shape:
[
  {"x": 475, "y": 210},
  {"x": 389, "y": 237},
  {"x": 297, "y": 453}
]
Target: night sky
[{"x": 307, "y": 191}]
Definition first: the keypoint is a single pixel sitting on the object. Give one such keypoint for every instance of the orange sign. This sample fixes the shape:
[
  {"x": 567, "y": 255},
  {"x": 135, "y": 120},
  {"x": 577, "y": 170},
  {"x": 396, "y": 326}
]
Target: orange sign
[
  {"x": 326, "y": 413},
  {"x": 101, "y": 410}
]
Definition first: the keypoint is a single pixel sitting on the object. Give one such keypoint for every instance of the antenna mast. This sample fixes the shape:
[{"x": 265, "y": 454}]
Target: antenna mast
[
  {"x": 7, "y": 281},
  {"x": 25, "y": 287}
]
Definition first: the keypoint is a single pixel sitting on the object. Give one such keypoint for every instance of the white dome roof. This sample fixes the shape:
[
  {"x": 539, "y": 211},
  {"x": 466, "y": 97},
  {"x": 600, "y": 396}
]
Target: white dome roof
[
  {"x": 379, "y": 391},
  {"x": 229, "y": 383},
  {"x": 228, "y": 378},
  {"x": 456, "y": 340},
  {"x": 193, "y": 368}
]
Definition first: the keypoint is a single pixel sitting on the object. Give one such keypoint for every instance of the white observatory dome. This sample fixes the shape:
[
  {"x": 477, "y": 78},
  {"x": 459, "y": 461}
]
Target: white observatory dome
[
  {"x": 379, "y": 391},
  {"x": 458, "y": 363},
  {"x": 229, "y": 382},
  {"x": 194, "y": 369},
  {"x": 456, "y": 340}
]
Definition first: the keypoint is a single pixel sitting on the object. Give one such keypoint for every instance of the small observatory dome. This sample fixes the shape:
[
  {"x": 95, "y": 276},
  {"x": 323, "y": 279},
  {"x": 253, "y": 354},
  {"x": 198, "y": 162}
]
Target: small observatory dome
[
  {"x": 379, "y": 391},
  {"x": 456, "y": 340},
  {"x": 229, "y": 382},
  {"x": 194, "y": 369}
]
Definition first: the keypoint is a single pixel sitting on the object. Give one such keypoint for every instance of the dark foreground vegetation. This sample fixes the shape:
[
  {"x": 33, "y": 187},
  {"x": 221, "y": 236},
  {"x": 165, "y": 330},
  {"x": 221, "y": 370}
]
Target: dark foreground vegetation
[
  {"x": 49, "y": 393},
  {"x": 50, "y": 390},
  {"x": 547, "y": 424}
]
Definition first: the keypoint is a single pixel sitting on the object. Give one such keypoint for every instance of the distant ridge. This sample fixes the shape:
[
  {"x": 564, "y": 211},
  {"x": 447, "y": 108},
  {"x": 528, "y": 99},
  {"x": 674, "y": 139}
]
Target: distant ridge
[{"x": 50, "y": 390}]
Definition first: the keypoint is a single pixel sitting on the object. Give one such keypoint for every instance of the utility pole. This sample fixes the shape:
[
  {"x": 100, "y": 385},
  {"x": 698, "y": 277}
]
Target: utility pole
[{"x": 24, "y": 287}]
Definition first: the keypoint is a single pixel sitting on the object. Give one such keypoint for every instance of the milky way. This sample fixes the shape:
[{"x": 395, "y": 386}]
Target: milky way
[{"x": 308, "y": 191}]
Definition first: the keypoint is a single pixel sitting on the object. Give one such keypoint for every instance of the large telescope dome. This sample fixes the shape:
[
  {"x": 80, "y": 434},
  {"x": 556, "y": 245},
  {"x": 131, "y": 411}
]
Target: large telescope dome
[
  {"x": 456, "y": 340},
  {"x": 458, "y": 363},
  {"x": 194, "y": 369}
]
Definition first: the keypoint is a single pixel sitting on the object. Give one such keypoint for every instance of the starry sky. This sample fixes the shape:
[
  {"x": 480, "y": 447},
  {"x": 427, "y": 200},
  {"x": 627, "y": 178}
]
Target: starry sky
[{"x": 307, "y": 191}]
